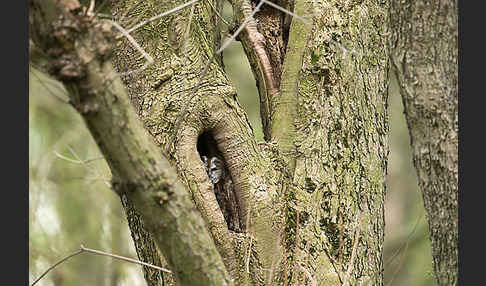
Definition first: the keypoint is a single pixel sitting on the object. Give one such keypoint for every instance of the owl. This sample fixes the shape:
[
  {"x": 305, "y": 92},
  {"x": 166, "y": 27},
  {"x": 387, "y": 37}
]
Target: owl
[
  {"x": 224, "y": 191},
  {"x": 215, "y": 169}
]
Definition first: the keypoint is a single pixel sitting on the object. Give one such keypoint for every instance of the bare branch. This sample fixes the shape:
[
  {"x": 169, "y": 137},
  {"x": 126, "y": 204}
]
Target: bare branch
[
  {"x": 161, "y": 15},
  {"x": 150, "y": 60},
  {"x": 404, "y": 245},
  {"x": 240, "y": 28},
  {"x": 90, "y": 10},
  {"x": 56, "y": 264},
  {"x": 308, "y": 275},
  {"x": 98, "y": 252},
  {"x": 131, "y": 260},
  {"x": 48, "y": 89},
  {"x": 287, "y": 12},
  {"x": 353, "y": 252},
  {"x": 77, "y": 161},
  {"x": 341, "y": 47}
]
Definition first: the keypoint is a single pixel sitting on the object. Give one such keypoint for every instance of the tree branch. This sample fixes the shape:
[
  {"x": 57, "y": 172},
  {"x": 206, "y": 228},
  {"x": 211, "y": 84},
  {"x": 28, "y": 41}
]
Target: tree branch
[
  {"x": 139, "y": 169},
  {"x": 253, "y": 44},
  {"x": 285, "y": 106}
]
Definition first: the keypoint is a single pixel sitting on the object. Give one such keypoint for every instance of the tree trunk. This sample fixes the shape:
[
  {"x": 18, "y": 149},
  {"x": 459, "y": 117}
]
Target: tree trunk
[
  {"x": 77, "y": 49},
  {"x": 424, "y": 57},
  {"x": 334, "y": 192},
  {"x": 310, "y": 199}
]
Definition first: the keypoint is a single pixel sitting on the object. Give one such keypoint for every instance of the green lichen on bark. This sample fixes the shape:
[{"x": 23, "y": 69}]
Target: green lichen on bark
[
  {"x": 143, "y": 175},
  {"x": 211, "y": 107},
  {"x": 342, "y": 142},
  {"x": 340, "y": 145},
  {"x": 315, "y": 207}
]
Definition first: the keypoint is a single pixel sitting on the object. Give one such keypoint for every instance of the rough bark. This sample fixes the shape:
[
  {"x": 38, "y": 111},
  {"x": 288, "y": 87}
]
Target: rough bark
[
  {"x": 77, "y": 49},
  {"x": 311, "y": 197},
  {"x": 341, "y": 146},
  {"x": 424, "y": 47},
  {"x": 177, "y": 106}
]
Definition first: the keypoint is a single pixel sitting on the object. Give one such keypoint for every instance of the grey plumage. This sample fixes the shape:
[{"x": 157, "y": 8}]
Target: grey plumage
[
  {"x": 224, "y": 190},
  {"x": 216, "y": 170}
]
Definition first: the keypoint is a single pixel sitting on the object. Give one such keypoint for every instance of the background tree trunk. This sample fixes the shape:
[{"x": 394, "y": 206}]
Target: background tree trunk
[{"x": 424, "y": 47}]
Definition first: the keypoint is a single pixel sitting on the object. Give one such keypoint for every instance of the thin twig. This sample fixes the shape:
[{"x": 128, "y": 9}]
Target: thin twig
[
  {"x": 84, "y": 162},
  {"x": 56, "y": 264},
  {"x": 161, "y": 15},
  {"x": 188, "y": 31},
  {"x": 406, "y": 241},
  {"x": 105, "y": 16},
  {"x": 100, "y": 7},
  {"x": 240, "y": 28},
  {"x": 41, "y": 82},
  {"x": 74, "y": 154},
  {"x": 248, "y": 255},
  {"x": 66, "y": 158},
  {"x": 125, "y": 33},
  {"x": 98, "y": 252},
  {"x": 206, "y": 69},
  {"x": 398, "y": 267},
  {"x": 405, "y": 245},
  {"x": 287, "y": 12},
  {"x": 80, "y": 162},
  {"x": 131, "y": 260},
  {"x": 131, "y": 40},
  {"x": 343, "y": 49},
  {"x": 217, "y": 13},
  {"x": 333, "y": 263},
  {"x": 353, "y": 252}
]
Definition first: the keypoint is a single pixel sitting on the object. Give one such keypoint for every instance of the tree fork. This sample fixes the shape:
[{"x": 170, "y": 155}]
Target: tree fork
[
  {"x": 144, "y": 175},
  {"x": 340, "y": 141},
  {"x": 212, "y": 108}
]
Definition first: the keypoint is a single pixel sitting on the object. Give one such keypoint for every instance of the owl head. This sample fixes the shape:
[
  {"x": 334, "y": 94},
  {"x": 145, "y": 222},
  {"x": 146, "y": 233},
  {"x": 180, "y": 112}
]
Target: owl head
[{"x": 214, "y": 168}]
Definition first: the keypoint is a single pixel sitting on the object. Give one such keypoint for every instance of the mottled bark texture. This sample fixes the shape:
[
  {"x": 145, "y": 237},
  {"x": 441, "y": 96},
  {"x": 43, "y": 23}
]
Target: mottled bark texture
[
  {"x": 341, "y": 145},
  {"x": 335, "y": 191},
  {"x": 424, "y": 47},
  {"x": 310, "y": 198},
  {"x": 176, "y": 110},
  {"x": 77, "y": 50}
]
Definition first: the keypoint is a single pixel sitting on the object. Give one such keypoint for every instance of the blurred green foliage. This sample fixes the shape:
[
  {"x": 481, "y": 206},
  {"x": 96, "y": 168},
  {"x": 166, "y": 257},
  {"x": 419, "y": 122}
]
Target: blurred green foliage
[
  {"x": 407, "y": 255},
  {"x": 71, "y": 204},
  {"x": 69, "y": 200}
]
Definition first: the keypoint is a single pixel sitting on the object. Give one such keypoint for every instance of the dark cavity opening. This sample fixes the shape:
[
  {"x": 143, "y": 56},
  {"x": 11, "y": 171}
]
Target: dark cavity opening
[
  {"x": 220, "y": 177},
  {"x": 206, "y": 146}
]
